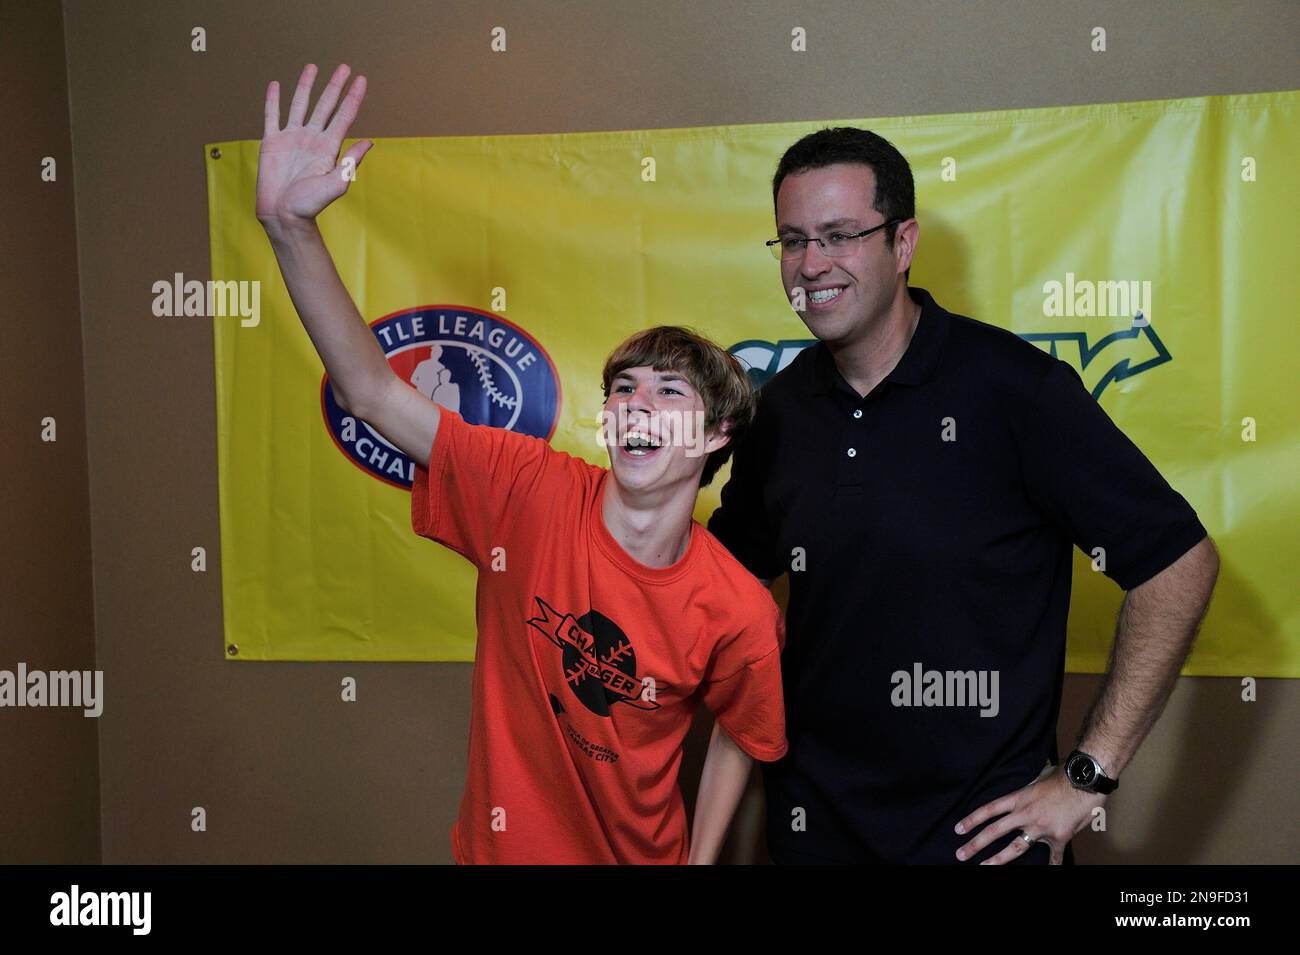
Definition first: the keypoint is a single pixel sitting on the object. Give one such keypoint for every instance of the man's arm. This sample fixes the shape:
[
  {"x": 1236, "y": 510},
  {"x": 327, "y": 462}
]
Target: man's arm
[
  {"x": 741, "y": 521},
  {"x": 1158, "y": 622},
  {"x": 297, "y": 177},
  {"x": 722, "y": 783},
  {"x": 1157, "y": 626}
]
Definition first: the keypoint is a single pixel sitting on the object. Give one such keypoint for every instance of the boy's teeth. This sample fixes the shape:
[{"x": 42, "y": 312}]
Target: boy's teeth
[
  {"x": 639, "y": 439},
  {"x": 638, "y": 443}
]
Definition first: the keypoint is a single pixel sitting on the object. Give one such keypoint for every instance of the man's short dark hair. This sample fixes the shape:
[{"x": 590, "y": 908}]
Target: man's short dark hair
[{"x": 895, "y": 196}]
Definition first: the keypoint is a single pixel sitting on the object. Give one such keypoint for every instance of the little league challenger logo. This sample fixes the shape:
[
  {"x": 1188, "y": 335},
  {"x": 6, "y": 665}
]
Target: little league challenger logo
[
  {"x": 1099, "y": 361},
  {"x": 474, "y": 363}
]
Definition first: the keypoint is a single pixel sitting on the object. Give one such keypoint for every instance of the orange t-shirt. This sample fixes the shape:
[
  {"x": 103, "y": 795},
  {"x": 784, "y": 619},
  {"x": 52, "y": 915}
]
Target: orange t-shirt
[{"x": 573, "y": 758}]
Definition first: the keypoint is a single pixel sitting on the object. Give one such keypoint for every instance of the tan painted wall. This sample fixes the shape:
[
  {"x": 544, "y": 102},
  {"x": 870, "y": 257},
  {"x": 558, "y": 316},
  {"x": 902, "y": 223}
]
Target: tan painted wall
[{"x": 49, "y": 769}]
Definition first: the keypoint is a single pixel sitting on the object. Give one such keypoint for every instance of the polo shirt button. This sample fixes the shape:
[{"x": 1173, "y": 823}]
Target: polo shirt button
[
  {"x": 853, "y": 452},
  {"x": 858, "y": 413}
]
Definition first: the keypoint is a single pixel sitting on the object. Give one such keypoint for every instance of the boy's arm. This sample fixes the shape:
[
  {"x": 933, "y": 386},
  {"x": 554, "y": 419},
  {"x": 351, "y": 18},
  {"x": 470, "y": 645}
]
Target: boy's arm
[
  {"x": 297, "y": 177},
  {"x": 748, "y": 699},
  {"x": 722, "y": 783}
]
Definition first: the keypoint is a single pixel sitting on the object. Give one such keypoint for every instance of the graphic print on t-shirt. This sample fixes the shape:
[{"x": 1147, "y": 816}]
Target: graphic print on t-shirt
[{"x": 598, "y": 659}]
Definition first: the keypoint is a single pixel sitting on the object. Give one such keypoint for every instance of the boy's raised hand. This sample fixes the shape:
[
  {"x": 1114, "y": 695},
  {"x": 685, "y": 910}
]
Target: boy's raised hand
[{"x": 297, "y": 175}]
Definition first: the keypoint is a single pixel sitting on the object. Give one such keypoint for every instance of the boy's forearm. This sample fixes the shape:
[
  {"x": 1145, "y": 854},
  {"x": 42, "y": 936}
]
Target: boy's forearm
[
  {"x": 356, "y": 366},
  {"x": 722, "y": 783}
]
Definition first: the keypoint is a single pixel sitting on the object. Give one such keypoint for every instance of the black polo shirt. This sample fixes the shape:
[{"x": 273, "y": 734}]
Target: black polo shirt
[{"x": 927, "y": 532}]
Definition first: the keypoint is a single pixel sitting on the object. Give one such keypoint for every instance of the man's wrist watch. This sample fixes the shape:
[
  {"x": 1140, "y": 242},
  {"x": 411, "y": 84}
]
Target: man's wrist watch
[{"x": 1086, "y": 773}]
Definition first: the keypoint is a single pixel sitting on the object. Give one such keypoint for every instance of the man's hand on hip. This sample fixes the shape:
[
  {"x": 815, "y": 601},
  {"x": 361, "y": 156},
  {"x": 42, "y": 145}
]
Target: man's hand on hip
[{"x": 1047, "y": 810}]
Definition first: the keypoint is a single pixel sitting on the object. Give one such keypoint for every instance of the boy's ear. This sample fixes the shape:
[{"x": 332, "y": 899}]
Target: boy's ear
[{"x": 720, "y": 437}]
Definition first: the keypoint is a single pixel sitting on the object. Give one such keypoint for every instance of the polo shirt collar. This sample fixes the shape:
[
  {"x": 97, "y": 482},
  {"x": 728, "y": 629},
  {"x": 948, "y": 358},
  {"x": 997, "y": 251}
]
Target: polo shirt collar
[{"x": 918, "y": 362}]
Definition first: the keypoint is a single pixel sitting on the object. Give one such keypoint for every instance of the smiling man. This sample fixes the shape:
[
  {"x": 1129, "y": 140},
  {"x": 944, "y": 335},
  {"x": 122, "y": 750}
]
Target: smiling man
[
  {"x": 922, "y": 477},
  {"x": 605, "y": 613}
]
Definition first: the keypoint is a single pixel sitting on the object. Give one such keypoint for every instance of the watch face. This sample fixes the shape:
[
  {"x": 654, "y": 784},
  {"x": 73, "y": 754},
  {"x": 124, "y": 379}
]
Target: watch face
[{"x": 1081, "y": 771}]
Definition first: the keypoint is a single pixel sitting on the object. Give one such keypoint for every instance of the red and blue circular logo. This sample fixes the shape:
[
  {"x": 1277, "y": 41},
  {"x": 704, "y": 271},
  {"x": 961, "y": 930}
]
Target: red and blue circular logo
[{"x": 484, "y": 368}]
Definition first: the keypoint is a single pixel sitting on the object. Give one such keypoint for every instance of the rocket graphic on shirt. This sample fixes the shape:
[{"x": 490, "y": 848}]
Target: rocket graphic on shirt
[{"x": 598, "y": 659}]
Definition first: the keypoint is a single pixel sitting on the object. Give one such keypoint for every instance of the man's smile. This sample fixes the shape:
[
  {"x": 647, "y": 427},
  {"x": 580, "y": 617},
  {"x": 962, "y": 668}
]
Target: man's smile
[{"x": 822, "y": 298}]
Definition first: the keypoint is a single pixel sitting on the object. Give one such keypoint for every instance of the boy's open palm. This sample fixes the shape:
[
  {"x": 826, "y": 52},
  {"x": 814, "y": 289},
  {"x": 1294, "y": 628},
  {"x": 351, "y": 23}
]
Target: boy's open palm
[{"x": 297, "y": 172}]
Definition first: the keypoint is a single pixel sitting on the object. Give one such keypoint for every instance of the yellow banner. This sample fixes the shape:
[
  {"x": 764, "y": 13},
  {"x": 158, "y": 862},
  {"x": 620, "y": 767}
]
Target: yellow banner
[{"x": 1151, "y": 245}]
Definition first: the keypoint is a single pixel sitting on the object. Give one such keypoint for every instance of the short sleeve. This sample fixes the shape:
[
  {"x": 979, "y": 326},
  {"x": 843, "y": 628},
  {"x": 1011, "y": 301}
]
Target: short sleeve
[
  {"x": 746, "y": 696},
  {"x": 1097, "y": 486},
  {"x": 476, "y": 491},
  {"x": 742, "y": 522}
]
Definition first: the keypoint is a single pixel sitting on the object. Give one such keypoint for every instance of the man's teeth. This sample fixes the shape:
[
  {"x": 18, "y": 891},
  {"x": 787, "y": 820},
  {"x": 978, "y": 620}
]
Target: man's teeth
[{"x": 825, "y": 295}]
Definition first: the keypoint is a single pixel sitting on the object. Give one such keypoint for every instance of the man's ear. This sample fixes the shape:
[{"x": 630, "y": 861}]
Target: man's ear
[{"x": 905, "y": 240}]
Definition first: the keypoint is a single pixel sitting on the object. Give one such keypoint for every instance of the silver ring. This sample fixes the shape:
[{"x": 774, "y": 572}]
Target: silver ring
[{"x": 1024, "y": 835}]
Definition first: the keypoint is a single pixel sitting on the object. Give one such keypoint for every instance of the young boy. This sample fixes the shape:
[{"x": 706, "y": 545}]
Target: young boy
[{"x": 615, "y": 613}]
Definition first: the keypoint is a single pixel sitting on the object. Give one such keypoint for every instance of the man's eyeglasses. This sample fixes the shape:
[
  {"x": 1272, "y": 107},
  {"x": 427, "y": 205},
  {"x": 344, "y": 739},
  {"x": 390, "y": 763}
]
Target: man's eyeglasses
[{"x": 835, "y": 245}]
